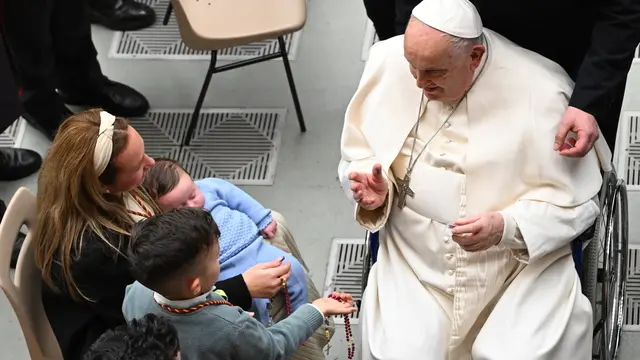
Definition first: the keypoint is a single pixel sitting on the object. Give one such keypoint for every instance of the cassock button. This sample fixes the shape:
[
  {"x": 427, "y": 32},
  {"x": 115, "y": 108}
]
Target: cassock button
[
  {"x": 448, "y": 256},
  {"x": 447, "y": 125},
  {"x": 448, "y": 141},
  {"x": 450, "y": 290},
  {"x": 451, "y": 272}
]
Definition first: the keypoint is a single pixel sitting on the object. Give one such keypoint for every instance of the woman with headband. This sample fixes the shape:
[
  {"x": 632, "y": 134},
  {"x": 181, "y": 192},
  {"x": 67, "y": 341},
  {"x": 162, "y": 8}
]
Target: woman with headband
[{"x": 88, "y": 199}]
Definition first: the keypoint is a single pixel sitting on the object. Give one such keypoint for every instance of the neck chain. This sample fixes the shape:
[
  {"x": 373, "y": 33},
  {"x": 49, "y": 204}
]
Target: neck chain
[{"x": 404, "y": 188}]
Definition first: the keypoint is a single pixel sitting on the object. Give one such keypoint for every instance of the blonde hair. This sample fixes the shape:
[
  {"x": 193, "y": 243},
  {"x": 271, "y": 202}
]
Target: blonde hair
[{"x": 71, "y": 197}]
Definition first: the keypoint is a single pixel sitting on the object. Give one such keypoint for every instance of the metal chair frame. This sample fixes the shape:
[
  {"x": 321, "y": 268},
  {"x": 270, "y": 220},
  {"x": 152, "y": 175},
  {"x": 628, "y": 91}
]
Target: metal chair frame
[
  {"x": 600, "y": 254},
  {"x": 214, "y": 69}
]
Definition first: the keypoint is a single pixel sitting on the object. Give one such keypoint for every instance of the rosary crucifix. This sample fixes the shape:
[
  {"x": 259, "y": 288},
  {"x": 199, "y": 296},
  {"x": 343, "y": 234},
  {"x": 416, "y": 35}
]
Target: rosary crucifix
[{"x": 403, "y": 190}]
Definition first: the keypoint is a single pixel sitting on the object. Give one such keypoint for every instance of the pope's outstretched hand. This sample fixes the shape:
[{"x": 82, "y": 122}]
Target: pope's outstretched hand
[{"x": 369, "y": 190}]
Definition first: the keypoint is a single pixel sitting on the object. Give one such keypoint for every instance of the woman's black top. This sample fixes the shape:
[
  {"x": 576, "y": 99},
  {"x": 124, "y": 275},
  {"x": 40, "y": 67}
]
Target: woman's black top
[{"x": 102, "y": 275}]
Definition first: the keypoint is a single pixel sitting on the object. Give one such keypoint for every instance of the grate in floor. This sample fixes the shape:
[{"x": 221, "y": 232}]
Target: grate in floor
[
  {"x": 344, "y": 271},
  {"x": 9, "y": 138},
  {"x": 370, "y": 38},
  {"x": 239, "y": 145}
]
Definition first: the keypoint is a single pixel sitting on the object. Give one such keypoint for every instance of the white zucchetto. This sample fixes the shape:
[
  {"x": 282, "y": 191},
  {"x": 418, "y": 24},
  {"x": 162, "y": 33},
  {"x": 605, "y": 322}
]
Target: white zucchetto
[{"x": 454, "y": 17}]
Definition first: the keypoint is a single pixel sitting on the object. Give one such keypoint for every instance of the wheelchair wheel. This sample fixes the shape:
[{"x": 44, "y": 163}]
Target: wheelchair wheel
[{"x": 612, "y": 276}]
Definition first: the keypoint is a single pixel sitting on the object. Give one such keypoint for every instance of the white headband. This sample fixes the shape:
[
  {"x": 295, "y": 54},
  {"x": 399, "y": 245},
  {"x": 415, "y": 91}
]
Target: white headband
[{"x": 104, "y": 144}]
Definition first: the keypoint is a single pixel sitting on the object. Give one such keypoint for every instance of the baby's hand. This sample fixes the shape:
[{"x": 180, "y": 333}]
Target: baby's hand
[{"x": 270, "y": 231}]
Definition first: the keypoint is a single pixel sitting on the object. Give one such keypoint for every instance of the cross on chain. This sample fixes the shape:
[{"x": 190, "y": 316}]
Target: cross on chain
[{"x": 403, "y": 190}]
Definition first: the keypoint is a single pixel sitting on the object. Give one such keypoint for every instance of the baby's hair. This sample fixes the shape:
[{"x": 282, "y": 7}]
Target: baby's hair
[
  {"x": 149, "y": 338},
  {"x": 162, "y": 177},
  {"x": 167, "y": 246}
]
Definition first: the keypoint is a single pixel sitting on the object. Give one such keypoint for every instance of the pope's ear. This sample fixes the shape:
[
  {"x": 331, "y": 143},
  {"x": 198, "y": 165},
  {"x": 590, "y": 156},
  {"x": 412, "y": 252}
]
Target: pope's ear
[{"x": 477, "y": 52}]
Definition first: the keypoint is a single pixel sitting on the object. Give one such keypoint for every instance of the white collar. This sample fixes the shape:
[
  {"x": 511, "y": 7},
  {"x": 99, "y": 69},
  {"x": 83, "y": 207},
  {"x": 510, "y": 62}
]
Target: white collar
[{"x": 182, "y": 304}]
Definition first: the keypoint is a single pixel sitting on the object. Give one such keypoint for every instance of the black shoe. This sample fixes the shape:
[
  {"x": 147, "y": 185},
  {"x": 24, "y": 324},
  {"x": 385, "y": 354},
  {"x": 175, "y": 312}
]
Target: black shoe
[
  {"x": 16, "y": 164},
  {"x": 45, "y": 110},
  {"x": 122, "y": 15},
  {"x": 16, "y": 250},
  {"x": 114, "y": 97}
]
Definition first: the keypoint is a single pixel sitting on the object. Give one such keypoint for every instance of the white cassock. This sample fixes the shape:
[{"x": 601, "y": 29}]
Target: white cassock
[{"x": 427, "y": 299}]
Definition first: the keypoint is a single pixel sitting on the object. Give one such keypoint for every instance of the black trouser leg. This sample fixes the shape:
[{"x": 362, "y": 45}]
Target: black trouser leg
[
  {"x": 403, "y": 10},
  {"x": 382, "y": 14},
  {"x": 27, "y": 31},
  {"x": 50, "y": 43},
  {"x": 75, "y": 55}
]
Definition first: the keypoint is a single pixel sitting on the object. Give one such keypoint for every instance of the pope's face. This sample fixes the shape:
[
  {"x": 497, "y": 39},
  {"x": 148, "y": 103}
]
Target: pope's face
[{"x": 443, "y": 71}]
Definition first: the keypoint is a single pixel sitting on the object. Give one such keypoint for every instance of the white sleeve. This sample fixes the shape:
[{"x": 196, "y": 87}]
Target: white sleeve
[{"x": 533, "y": 229}]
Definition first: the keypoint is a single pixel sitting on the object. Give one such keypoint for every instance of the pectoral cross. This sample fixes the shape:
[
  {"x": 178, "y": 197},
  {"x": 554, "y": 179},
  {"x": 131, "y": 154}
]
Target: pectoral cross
[{"x": 404, "y": 190}]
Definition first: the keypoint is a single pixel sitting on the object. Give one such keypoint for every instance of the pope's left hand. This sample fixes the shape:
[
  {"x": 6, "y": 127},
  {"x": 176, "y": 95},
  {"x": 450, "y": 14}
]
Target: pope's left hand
[
  {"x": 584, "y": 125},
  {"x": 479, "y": 232},
  {"x": 270, "y": 231}
]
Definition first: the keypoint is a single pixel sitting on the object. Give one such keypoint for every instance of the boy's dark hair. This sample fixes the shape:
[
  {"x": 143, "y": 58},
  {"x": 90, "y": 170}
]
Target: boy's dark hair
[
  {"x": 162, "y": 177},
  {"x": 149, "y": 338},
  {"x": 165, "y": 246}
]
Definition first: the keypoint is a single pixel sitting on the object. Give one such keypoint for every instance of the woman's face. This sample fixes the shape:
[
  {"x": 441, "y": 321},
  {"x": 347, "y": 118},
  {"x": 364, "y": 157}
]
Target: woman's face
[{"x": 131, "y": 164}]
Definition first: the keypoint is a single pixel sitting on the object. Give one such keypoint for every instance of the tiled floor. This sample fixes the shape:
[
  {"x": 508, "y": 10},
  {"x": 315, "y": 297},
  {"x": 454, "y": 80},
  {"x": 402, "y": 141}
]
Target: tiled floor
[{"x": 327, "y": 68}]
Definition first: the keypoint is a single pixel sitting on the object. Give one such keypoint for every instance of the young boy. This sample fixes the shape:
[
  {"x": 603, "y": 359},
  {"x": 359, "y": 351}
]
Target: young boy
[
  {"x": 149, "y": 338},
  {"x": 174, "y": 258},
  {"x": 242, "y": 220}
]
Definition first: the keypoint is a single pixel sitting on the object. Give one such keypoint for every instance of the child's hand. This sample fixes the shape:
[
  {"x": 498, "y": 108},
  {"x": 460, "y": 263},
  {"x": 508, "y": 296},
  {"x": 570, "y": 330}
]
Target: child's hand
[
  {"x": 270, "y": 231},
  {"x": 330, "y": 307},
  {"x": 344, "y": 297}
]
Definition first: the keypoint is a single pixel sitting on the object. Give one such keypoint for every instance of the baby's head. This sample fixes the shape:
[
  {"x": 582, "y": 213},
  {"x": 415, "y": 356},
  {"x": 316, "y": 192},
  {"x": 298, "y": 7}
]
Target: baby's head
[
  {"x": 171, "y": 187},
  {"x": 176, "y": 253},
  {"x": 149, "y": 338}
]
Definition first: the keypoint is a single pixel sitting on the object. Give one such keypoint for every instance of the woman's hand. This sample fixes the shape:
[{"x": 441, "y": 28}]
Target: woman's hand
[{"x": 265, "y": 280}]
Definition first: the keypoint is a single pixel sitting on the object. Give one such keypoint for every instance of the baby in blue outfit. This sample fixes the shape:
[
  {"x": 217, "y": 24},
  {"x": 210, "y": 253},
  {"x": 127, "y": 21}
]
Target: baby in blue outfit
[{"x": 243, "y": 223}]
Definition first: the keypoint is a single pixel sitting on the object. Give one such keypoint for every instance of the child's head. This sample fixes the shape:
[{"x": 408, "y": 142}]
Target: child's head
[
  {"x": 176, "y": 253},
  {"x": 171, "y": 187},
  {"x": 150, "y": 338}
]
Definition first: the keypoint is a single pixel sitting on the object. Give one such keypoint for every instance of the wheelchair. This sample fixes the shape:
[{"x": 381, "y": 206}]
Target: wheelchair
[{"x": 600, "y": 255}]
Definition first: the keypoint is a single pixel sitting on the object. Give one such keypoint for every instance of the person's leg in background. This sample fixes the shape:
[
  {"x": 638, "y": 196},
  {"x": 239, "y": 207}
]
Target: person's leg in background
[
  {"x": 121, "y": 15},
  {"x": 26, "y": 29},
  {"x": 80, "y": 79},
  {"x": 51, "y": 47}
]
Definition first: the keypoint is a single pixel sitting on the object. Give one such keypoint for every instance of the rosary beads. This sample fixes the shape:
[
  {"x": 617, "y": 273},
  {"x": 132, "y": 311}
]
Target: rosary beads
[
  {"x": 287, "y": 303},
  {"x": 351, "y": 344}
]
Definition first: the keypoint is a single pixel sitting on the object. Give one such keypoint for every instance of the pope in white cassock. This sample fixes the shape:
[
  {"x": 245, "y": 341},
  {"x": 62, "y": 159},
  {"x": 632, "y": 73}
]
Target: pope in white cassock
[{"x": 475, "y": 209}]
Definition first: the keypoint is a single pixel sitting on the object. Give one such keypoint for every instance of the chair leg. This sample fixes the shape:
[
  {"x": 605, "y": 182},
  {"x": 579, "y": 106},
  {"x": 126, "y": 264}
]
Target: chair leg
[
  {"x": 167, "y": 14},
  {"x": 203, "y": 92},
  {"x": 292, "y": 85}
]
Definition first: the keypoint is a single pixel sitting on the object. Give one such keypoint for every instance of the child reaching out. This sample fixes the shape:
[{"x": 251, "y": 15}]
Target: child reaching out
[
  {"x": 174, "y": 258},
  {"x": 243, "y": 223}
]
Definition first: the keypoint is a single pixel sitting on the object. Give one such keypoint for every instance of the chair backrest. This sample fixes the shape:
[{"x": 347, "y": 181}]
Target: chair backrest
[
  {"x": 25, "y": 292},
  {"x": 218, "y": 24}
]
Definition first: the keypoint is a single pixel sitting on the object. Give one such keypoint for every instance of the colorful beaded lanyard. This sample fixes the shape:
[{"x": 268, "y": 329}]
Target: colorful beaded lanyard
[{"x": 147, "y": 213}]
